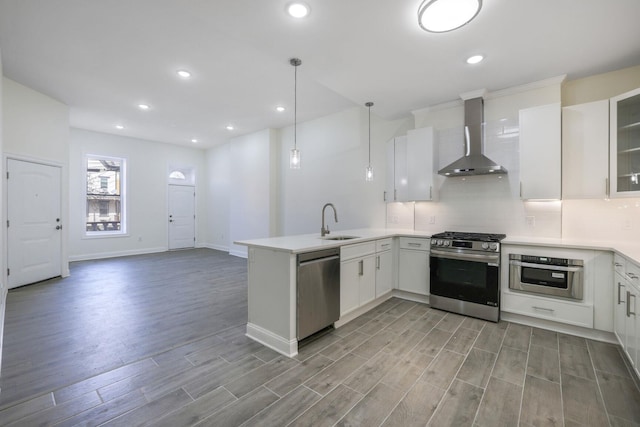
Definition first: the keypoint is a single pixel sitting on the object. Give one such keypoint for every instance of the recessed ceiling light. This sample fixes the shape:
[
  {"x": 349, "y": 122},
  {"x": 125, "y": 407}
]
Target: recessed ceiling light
[
  {"x": 230, "y": 127},
  {"x": 474, "y": 59},
  {"x": 143, "y": 106},
  {"x": 298, "y": 9},
  {"x": 280, "y": 108},
  {"x": 119, "y": 127},
  {"x": 184, "y": 74},
  {"x": 439, "y": 16},
  {"x": 195, "y": 141}
]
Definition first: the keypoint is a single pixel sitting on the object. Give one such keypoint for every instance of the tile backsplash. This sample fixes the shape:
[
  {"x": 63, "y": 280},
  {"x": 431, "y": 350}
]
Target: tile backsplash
[
  {"x": 610, "y": 220},
  {"x": 486, "y": 203}
]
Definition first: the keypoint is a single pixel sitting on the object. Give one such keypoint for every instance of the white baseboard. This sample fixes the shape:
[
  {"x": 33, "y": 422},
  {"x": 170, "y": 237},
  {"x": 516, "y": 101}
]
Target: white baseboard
[
  {"x": 103, "y": 255},
  {"x": 214, "y": 246},
  {"x": 275, "y": 342},
  {"x": 411, "y": 296},
  {"x": 240, "y": 254}
]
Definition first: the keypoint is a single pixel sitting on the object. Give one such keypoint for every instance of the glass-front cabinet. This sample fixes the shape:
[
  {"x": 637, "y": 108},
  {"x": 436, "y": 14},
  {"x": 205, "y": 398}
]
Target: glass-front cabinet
[{"x": 625, "y": 144}]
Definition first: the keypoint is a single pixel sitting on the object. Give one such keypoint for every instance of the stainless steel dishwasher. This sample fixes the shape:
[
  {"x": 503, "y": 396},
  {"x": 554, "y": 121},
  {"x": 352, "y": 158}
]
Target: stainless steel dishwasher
[{"x": 318, "y": 296}]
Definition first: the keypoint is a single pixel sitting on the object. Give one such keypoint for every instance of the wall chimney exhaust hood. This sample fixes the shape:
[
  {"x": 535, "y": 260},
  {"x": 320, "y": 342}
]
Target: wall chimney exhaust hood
[{"x": 474, "y": 162}]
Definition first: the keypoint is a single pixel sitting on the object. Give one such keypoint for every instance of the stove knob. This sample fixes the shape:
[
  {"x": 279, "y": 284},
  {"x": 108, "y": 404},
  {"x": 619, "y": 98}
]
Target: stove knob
[
  {"x": 485, "y": 246},
  {"x": 439, "y": 242},
  {"x": 493, "y": 246},
  {"x": 434, "y": 242},
  {"x": 447, "y": 243}
]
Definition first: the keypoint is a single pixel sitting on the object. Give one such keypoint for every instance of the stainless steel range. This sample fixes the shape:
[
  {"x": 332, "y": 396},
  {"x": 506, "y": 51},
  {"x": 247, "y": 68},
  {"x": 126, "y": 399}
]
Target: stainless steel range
[{"x": 465, "y": 273}]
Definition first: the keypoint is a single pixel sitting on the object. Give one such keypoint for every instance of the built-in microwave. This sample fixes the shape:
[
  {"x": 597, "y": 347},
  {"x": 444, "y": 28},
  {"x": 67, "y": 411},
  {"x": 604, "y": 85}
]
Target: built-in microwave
[{"x": 560, "y": 277}]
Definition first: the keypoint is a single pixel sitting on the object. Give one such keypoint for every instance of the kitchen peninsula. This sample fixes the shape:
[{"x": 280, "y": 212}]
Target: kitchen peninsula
[{"x": 272, "y": 279}]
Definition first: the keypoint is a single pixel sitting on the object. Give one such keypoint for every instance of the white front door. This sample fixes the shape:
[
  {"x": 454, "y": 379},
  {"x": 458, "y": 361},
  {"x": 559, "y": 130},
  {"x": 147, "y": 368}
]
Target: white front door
[
  {"x": 33, "y": 211},
  {"x": 182, "y": 233}
]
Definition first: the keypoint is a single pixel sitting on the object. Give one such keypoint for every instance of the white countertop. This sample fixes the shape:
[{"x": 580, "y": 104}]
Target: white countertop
[
  {"x": 311, "y": 242},
  {"x": 630, "y": 250}
]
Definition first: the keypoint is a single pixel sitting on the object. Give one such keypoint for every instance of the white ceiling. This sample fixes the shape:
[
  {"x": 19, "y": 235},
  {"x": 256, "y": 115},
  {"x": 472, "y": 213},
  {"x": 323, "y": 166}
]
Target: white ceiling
[{"x": 103, "y": 57}]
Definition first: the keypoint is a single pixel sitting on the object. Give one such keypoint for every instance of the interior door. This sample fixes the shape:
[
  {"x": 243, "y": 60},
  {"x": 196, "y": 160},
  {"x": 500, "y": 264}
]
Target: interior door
[
  {"x": 34, "y": 227},
  {"x": 182, "y": 232}
]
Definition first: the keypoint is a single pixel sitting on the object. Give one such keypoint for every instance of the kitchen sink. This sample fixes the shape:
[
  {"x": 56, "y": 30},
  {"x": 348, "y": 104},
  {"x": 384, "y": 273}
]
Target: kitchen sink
[{"x": 339, "y": 237}]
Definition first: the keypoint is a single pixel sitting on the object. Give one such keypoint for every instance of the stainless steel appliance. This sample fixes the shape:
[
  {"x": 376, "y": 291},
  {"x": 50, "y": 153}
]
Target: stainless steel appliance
[
  {"x": 465, "y": 273},
  {"x": 318, "y": 294},
  {"x": 559, "y": 277}
]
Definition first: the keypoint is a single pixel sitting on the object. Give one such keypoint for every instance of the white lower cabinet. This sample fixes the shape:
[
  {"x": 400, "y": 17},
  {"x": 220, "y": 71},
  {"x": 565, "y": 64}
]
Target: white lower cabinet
[
  {"x": 413, "y": 265},
  {"x": 366, "y": 272},
  {"x": 384, "y": 272},
  {"x": 626, "y": 322}
]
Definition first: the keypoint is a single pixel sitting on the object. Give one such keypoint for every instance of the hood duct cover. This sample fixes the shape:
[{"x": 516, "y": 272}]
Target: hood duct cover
[{"x": 474, "y": 162}]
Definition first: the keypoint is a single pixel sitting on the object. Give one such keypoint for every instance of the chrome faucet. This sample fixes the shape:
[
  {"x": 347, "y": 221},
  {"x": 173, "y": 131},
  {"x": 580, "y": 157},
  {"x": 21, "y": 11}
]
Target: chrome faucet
[{"x": 325, "y": 230}]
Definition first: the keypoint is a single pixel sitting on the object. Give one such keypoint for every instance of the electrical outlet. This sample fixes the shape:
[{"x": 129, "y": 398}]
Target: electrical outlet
[
  {"x": 432, "y": 219},
  {"x": 531, "y": 221}
]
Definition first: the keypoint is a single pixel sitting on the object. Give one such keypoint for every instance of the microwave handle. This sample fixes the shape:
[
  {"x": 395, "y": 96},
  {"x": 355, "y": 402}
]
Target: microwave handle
[{"x": 545, "y": 267}]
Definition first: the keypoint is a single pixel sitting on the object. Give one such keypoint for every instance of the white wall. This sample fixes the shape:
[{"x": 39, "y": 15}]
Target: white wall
[
  {"x": 334, "y": 152},
  {"x": 251, "y": 192},
  {"x": 483, "y": 203},
  {"x": 147, "y": 191},
  {"x": 218, "y": 165}
]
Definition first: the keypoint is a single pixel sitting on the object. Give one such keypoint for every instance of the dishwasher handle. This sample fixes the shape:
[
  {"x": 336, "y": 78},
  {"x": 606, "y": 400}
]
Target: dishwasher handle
[{"x": 317, "y": 260}]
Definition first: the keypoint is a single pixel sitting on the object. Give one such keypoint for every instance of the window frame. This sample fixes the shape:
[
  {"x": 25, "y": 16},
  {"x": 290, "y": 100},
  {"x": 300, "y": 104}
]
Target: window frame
[{"x": 124, "y": 217}]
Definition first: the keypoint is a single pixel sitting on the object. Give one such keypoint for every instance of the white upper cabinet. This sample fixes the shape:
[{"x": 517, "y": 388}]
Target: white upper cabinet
[
  {"x": 421, "y": 164},
  {"x": 625, "y": 144},
  {"x": 410, "y": 167},
  {"x": 396, "y": 186},
  {"x": 540, "y": 152},
  {"x": 585, "y": 150}
]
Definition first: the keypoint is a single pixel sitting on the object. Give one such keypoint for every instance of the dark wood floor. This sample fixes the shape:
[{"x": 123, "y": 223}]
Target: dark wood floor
[{"x": 159, "y": 340}]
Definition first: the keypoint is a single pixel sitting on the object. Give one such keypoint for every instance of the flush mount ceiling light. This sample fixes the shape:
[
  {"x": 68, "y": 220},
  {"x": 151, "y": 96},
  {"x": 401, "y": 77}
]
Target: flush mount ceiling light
[
  {"x": 294, "y": 156},
  {"x": 368, "y": 176},
  {"x": 475, "y": 59},
  {"x": 183, "y": 73},
  {"x": 230, "y": 127},
  {"x": 298, "y": 9},
  {"x": 119, "y": 127},
  {"x": 440, "y": 16},
  {"x": 195, "y": 141},
  {"x": 280, "y": 109},
  {"x": 143, "y": 107}
]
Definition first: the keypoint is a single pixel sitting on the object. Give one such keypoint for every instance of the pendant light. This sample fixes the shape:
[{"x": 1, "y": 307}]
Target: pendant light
[
  {"x": 294, "y": 156},
  {"x": 369, "y": 170}
]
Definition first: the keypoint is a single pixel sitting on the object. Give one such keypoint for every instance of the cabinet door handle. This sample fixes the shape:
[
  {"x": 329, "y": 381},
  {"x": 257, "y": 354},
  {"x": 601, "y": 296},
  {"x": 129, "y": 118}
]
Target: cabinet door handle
[
  {"x": 632, "y": 276},
  {"x": 378, "y": 262},
  {"x": 415, "y": 245},
  {"x": 632, "y": 313},
  {"x": 521, "y": 189},
  {"x": 619, "y": 288},
  {"x": 617, "y": 264},
  {"x": 550, "y": 310},
  {"x": 607, "y": 188},
  {"x": 384, "y": 196},
  {"x": 430, "y": 192},
  {"x": 628, "y": 304},
  {"x": 361, "y": 268},
  {"x": 395, "y": 195}
]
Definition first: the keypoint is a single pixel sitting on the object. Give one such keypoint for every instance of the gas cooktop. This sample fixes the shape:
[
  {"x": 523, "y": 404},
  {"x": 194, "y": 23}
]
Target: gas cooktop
[{"x": 477, "y": 237}]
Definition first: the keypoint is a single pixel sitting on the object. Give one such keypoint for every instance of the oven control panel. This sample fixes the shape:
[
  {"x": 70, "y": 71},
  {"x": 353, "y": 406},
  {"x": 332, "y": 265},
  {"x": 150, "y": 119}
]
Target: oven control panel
[{"x": 466, "y": 245}]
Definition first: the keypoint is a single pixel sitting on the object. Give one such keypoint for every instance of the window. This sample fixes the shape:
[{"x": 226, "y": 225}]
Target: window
[{"x": 105, "y": 196}]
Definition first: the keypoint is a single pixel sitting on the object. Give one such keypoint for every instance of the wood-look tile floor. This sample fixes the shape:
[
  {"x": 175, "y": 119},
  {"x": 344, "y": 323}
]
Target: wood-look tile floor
[{"x": 159, "y": 340}]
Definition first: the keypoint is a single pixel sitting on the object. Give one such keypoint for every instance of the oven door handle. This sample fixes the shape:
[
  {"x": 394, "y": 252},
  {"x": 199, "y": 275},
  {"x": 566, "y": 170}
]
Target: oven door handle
[
  {"x": 488, "y": 258},
  {"x": 545, "y": 266}
]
